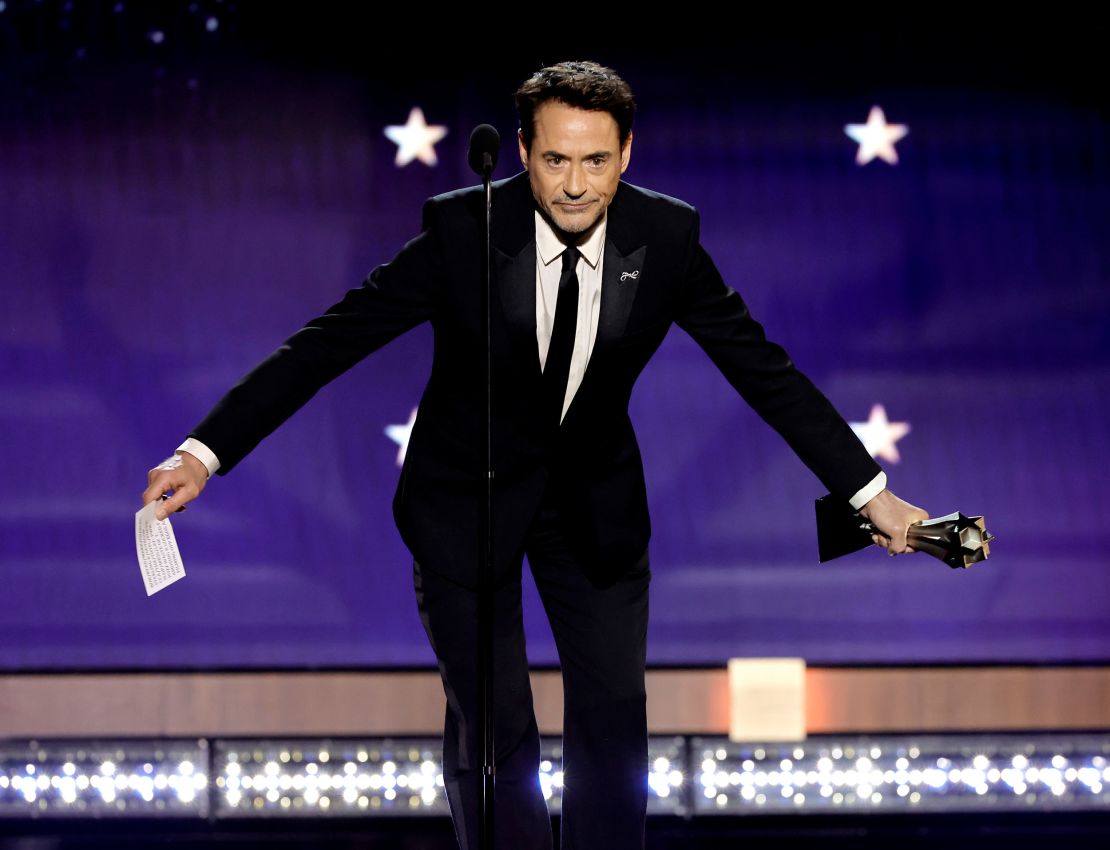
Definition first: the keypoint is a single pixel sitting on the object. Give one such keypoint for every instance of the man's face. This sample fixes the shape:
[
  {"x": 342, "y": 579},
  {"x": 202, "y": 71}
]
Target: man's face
[{"x": 575, "y": 163}]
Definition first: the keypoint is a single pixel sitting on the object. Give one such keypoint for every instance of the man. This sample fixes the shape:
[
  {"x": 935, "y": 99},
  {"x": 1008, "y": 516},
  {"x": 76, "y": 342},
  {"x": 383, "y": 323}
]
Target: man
[{"x": 590, "y": 272}]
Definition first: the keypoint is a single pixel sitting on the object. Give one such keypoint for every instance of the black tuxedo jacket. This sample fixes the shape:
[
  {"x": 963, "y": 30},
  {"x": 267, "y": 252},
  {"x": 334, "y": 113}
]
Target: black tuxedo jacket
[{"x": 655, "y": 273}]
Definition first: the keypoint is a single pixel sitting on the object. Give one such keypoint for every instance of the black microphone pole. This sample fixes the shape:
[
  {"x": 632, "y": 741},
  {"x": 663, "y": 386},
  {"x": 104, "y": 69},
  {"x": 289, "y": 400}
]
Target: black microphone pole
[{"x": 484, "y": 144}]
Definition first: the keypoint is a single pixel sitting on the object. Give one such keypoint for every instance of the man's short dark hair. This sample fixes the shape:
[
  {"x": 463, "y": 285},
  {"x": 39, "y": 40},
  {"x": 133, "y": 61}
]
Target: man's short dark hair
[{"x": 585, "y": 85}]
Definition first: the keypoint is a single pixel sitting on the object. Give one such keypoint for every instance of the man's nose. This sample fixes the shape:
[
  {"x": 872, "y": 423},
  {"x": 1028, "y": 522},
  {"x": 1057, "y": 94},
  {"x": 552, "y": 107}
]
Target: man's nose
[{"x": 575, "y": 183}]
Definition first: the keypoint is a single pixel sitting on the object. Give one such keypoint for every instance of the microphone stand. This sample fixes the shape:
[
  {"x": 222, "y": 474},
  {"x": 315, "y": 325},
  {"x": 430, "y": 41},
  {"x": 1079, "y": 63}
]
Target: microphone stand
[{"x": 484, "y": 143}]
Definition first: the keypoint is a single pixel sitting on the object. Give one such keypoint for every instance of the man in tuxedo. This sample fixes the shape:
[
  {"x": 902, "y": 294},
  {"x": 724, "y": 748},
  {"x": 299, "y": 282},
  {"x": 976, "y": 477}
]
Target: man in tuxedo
[{"x": 589, "y": 274}]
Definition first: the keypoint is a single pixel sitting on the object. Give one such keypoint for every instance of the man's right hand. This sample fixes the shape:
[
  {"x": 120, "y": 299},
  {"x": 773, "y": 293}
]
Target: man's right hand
[{"x": 183, "y": 475}]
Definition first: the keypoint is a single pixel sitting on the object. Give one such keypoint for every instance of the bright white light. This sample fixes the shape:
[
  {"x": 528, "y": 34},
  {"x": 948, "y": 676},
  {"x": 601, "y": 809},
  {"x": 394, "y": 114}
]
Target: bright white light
[
  {"x": 658, "y": 783},
  {"x": 935, "y": 778},
  {"x": 1050, "y": 776},
  {"x": 1088, "y": 776}
]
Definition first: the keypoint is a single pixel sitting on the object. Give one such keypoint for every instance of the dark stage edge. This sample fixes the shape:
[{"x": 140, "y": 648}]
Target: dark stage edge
[{"x": 1024, "y": 830}]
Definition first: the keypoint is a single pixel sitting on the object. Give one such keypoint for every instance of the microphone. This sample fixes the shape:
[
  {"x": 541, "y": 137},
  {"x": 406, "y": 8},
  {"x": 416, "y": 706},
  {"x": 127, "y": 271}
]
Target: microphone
[{"x": 484, "y": 144}]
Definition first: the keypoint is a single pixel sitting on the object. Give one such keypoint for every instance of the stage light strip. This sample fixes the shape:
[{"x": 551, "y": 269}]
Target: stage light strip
[
  {"x": 693, "y": 776},
  {"x": 328, "y": 778},
  {"x": 133, "y": 778},
  {"x": 931, "y": 773},
  {"x": 395, "y": 777}
]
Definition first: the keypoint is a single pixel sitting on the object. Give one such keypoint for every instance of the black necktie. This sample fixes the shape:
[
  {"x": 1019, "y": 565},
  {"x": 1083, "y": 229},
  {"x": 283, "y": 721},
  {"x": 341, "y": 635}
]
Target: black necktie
[{"x": 557, "y": 366}]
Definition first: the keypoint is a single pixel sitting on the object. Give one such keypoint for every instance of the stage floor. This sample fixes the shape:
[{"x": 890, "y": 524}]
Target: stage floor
[{"x": 1028, "y": 830}]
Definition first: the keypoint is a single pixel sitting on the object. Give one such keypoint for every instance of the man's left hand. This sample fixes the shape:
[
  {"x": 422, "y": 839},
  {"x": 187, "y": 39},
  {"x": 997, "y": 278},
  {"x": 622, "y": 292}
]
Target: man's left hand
[{"x": 892, "y": 517}]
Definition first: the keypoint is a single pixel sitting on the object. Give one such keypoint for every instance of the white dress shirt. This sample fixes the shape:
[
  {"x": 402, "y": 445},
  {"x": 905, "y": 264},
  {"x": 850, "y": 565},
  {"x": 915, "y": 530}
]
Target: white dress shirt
[{"x": 549, "y": 250}]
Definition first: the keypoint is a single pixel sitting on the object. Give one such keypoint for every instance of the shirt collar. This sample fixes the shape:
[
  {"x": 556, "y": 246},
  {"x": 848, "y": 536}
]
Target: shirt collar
[{"x": 549, "y": 247}]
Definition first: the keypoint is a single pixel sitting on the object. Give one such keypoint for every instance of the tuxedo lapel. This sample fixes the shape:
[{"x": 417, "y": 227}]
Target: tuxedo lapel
[
  {"x": 516, "y": 286},
  {"x": 619, "y": 281}
]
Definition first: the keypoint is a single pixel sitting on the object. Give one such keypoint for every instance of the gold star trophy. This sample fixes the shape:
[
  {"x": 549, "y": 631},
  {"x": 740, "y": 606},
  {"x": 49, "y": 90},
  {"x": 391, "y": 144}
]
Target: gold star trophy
[{"x": 958, "y": 540}]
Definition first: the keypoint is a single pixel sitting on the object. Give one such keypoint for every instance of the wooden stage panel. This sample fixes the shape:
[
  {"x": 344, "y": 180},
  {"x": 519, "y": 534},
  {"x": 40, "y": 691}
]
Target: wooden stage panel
[{"x": 686, "y": 701}]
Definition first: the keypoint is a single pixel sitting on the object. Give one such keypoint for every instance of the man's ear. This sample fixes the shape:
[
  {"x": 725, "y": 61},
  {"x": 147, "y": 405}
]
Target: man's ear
[
  {"x": 626, "y": 153},
  {"x": 523, "y": 150}
]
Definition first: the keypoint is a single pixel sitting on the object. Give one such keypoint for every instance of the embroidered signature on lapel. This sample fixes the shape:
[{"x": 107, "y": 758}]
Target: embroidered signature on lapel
[{"x": 634, "y": 275}]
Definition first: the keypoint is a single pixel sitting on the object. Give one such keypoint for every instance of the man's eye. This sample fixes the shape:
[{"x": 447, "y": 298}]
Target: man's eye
[
  {"x": 597, "y": 162},
  {"x": 554, "y": 160}
]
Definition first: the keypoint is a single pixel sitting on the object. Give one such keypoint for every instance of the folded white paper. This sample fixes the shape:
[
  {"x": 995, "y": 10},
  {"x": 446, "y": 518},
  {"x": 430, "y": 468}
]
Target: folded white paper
[{"x": 159, "y": 557}]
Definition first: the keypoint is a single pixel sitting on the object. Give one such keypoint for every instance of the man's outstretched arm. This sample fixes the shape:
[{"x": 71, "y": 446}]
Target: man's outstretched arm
[{"x": 717, "y": 318}]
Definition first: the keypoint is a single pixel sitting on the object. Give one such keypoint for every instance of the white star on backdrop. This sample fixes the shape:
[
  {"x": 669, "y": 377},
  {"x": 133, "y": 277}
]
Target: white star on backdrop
[
  {"x": 400, "y": 435},
  {"x": 415, "y": 139},
  {"x": 876, "y": 138},
  {"x": 879, "y": 435}
]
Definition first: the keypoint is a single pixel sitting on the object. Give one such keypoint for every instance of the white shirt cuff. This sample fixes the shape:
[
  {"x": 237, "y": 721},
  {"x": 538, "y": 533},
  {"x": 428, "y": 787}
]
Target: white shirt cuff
[
  {"x": 202, "y": 453},
  {"x": 866, "y": 493}
]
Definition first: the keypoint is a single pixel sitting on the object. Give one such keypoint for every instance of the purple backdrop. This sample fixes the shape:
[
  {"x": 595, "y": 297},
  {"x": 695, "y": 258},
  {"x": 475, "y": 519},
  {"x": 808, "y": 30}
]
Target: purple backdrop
[{"x": 165, "y": 222}]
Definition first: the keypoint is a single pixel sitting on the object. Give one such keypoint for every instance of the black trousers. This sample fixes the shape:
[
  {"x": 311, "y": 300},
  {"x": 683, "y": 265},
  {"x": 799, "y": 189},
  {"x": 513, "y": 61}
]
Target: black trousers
[{"x": 601, "y": 636}]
